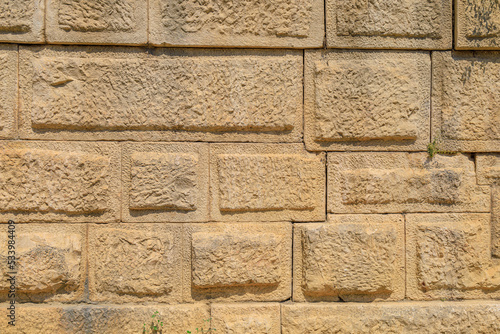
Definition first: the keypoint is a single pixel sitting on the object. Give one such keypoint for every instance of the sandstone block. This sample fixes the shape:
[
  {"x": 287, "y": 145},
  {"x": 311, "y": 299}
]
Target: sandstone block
[
  {"x": 267, "y": 23},
  {"x": 466, "y": 101},
  {"x": 477, "y": 24},
  {"x": 495, "y": 222},
  {"x": 135, "y": 263},
  {"x": 8, "y": 90},
  {"x": 77, "y": 93},
  {"x": 367, "y": 100},
  {"x": 449, "y": 256},
  {"x": 349, "y": 258},
  {"x": 238, "y": 262},
  {"x": 59, "y": 181},
  {"x": 22, "y": 21},
  {"x": 248, "y": 318},
  {"x": 266, "y": 183},
  {"x": 389, "y": 24},
  {"x": 374, "y": 182},
  {"x": 165, "y": 182},
  {"x": 97, "y": 22},
  {"x": 488, "y": 168}
]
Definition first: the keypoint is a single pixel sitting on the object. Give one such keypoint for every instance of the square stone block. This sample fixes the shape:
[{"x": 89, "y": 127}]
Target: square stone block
[
  {"x": 248, "y": 318},
  {"x": 477, "y": 24},
  {"x": 488, "y": 168},
  {"x": 8, "y": 90},
  {"x": 22, "y": 21}
]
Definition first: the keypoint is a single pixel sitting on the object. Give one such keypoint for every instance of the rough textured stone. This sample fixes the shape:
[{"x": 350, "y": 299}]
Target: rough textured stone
[
  {"x": 238, "y": 262},
  {"x": 466, "y": 101},
  {"x": 135, "y": 263},
  {"x": 448, "y": 256},
  {"x": 165, "y": 182},
  {"x": 58, "y": 181},
  {"x": 495, "y": 222},
  {"x": 451, "y": 317},
  {"x": 8, "y": 90},
  {"x": 97, "y": 22},
  {"x": 51, "y": 262},
  {"x": 477, "y": 24},
  {"x": 373, "y": 182},
  {"x": 167, "y": 94},
  {"x": 488, "y": 168},
  {"x": 22, "y": 21},
  {"x": 367, "y": 100},
  {"x": 267, "y": 23},
  {"x": 350, "y": 258},
  {"x": 389, "y": 24},
  {"x": 248, "y": 318},
  {"x": 266, "y": 183}
]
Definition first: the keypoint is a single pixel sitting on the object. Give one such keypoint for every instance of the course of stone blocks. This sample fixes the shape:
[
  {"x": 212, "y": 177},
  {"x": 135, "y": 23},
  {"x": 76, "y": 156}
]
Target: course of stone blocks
[{"x": 263, "y": 167}]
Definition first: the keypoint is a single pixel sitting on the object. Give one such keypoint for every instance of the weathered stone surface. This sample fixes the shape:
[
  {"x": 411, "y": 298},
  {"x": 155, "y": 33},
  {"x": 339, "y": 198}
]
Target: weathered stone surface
[
  {"x": 393, "y": 24},
  {"x": 477, "y": 24},
  {"x": 350, "y": 258},
  {"x": 8, "y": 90},
  {"x": 238, "y": 262},
  {"x": 373, "y": 182},
  {"x": 165, "y": 182},
  {"x": 51, "y": 262},
  {"x": 466, "y": 101},
  {"x": 97, "y": 22},
  {"x": 167, "y": 94},
  {"x": 367, "y": 100},
  {"x": 436, "y": 317},
  {"x": 448, "y": 256},
  {"x": 488, "y": 168},
  {"x": 135, "y": 263},
  {"x": 22, "y": 21},
  {"x": 248, "y": 318},
  {"x": 56, "y": 181},
  {"x": 267, "y": 23},
  {"x": 495, "y": 222}
]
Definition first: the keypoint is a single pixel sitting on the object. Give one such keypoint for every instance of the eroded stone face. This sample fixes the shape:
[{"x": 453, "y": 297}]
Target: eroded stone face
[
  {"x": 495, "y": 222},
  {"x": 488, "y": 168},
  {"x": 8, "y": 91},
  {"x": 478, "y": 24},
  {"x": 21, "y": 20},
  {"x": 251, "y": 318}
]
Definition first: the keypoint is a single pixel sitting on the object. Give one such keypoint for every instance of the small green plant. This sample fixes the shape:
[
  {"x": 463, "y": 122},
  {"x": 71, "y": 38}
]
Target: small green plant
[
  {"x": 156, "y": 326},
  {"x": 202, "y": 330},
  {"x": 433, "y": 149}
]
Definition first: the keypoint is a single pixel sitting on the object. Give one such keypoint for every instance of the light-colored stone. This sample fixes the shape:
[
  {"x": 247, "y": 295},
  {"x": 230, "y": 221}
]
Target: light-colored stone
[
  {"x": 93, "y": 93},
  {"x": 22, "y": 21},
  {"x": 238, "y": 262},
  {"x": 389, "y": 24},
  {"x": 449, "y": 256},
  {"x": 488, "y": 168},
  {"x": 466, "y": 101},
  {"x": 97, "y": 22},
  {"x": 59, "y": 181},
  {"x": 382, "y": 318},
  {"x": 165, "y": 182},
  {"x": 477, "y": 24},
  {"x": 495, "y": 222},
  {"x": 366, "y": 100},
  {"x": 50, "y": 262},
  {"x": 247, "y": 318},
  {"x": 265, "y": 23},
  {"x": 135, "y": 263},
  {"x": 8, "y": 90},
  {"x": 349, "y": 258},
  {"x": 274, "y": 182},
  {"x": 372, "y": 182}
]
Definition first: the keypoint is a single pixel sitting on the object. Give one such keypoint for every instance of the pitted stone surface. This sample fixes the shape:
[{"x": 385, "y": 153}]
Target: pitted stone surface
[
  {"x": 488, "y": 168},
  {"x": 477, "y": 24},
  {"x": 248, "y": 318},
  {"x": 495, "y": 222},
  {"x": 22, "y": 21},
  {"x": 8, "y": 91}
]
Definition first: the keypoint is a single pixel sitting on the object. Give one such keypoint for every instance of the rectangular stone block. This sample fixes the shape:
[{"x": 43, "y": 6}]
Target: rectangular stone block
[
  {"x": 22, "y": 21},
  {"x": 50, "y": 262},
  {"x": 248, "y": 318},
  {"x": 367, "y": 100},
  {"x": 382, "y": 318},
  {"x": 477, "y": 24},
  {"x": 238, "y": 262},
  {"x": 165, "y": 182},
  {"x": 449, "y": 256},
  {"x": 8, "y": 90},
  {"x": 59, "y": 181},
  {"x": 266, "y": 183},
  {"x": 266, "y": 23},
  {"x": 99, "y": 93},
  {"x": 466, "y": 101},
  {"x": 349, "y": 258},
  {"x": 488, "y": 168},
  {"x": 97, "y": 22},
  {"x": 495, "y": 222},
  {"x": 135, "y": 263},
  {"x": 389, "y": 24},
  {"x": 372, "y": 182}
]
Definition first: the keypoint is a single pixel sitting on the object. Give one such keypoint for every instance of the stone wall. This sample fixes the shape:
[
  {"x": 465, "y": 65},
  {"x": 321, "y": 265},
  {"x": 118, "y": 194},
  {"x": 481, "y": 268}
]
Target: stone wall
[{"x": 273, "y": 166}]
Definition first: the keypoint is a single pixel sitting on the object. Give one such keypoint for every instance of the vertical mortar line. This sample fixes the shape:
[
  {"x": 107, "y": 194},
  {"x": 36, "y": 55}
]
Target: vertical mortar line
[
  {"x": 303, "y": 97},
  {"x": 453, "y": 23},
  {"x": 44, "y": 34},
  {"x": 324, "y": 25}
]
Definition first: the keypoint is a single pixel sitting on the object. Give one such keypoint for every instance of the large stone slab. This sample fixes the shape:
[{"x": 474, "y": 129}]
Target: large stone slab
[
  {"x": 82, "y": 93},
  {"x": 22, "y": 21},
  {"x": 266, "y": 23},
  {"x": 367, "y": 100},
  {"x": 258, "y": 182},
  {"x": 373, "y": 182},
  {"x": 8, "y": 91},
  {"x": 389, "y": 24},
  {"x": 248, "y": 318},
  {"x": 477, "y": 24},
  {"x": 466, "y": 101}
]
